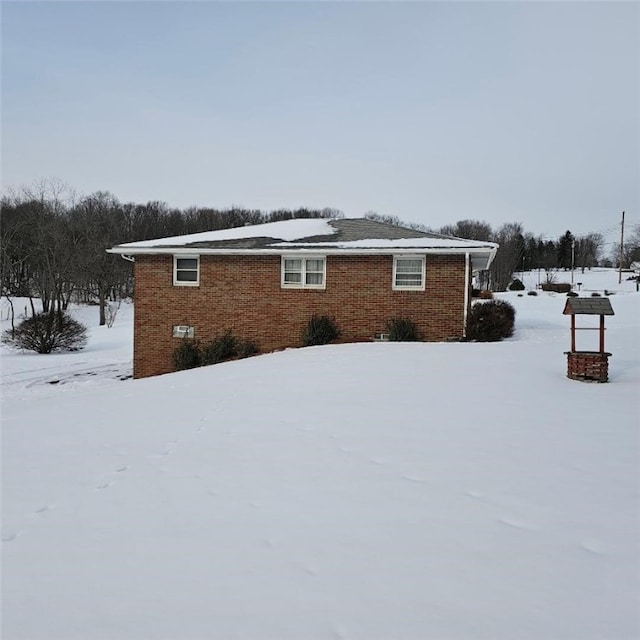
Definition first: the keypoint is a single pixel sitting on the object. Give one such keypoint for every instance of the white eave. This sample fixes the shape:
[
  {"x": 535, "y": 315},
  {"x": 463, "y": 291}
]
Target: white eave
[{"x": 481, "y": 256}]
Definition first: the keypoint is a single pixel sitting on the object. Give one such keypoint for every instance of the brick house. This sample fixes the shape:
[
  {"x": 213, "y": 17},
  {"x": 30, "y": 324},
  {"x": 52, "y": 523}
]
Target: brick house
[{"x": 264, "y": 282}]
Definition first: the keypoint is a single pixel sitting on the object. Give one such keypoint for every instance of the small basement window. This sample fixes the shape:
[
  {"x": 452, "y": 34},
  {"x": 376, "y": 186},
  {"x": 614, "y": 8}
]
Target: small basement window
[
  {"x": 183, "y": 331},
  {"x": 186, "y": 271},
  {"x": 408, "y": 273},
  {"x": 303, "y": 273}
]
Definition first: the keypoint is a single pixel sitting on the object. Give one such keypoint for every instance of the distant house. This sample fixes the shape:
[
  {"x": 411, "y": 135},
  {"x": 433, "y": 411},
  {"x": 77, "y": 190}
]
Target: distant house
[{"x": 265, "y": 281}]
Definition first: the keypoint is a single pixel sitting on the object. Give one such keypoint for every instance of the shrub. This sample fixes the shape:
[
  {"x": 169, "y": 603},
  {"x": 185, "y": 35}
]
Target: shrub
[
  {"x": 516, "y": 285},
  {"x": 186, "y": 355},
  {"x": 47, "y": 332},
  {"x": 490, "y": 321},
  {"x": 558, "y": 287},
  {"x": 402, "y": 330},
  {"x": 224, "y": 348},
  {"x": 595, "y": 294},
  {"x": 532, "y": 293},
  {"x": 246, "y": 349},
  {"x": 572, "y": 294},
  {"x": 320, "y": 330},
  {"x": 485, "y": 294}
]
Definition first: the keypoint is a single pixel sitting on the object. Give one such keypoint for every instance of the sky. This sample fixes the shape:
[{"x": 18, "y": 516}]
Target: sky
[{"x": 430, "y": 111}]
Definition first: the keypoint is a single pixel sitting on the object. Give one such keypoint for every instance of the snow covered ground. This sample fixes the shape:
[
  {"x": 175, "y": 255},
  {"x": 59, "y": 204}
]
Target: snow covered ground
[{"x": 370, "y": 491}]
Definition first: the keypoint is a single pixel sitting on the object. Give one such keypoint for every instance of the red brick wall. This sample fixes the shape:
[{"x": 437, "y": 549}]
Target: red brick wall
[{"x": 243, "y": 293}]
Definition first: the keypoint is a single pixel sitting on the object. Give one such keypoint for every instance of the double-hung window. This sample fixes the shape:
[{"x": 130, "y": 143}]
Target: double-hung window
[
  {"x": 408, "y": 273},
  {"x": 303, "y": 273},
  {"x": 186, "y": 271}
]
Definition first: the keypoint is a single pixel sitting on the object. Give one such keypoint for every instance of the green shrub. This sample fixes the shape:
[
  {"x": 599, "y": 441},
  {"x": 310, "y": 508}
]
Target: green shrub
[
  {"x": 246, "y": 349},
  {"x": 186, "y": 355},
  {"x": 402, "y": 330},
  {"x": 47, "y": 332},
  {"x": 224, "y": 348},
  {"x": 320, "y": 330},
  {"x": 490, "y": 321},
  {"x": 516, "y": 285}
]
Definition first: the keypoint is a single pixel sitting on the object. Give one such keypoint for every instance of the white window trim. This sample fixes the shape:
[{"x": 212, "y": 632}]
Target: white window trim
[
  {"x": 184, "y": 283},
  {"x": 303, "y": 284},
  {"x": 397, "y": 287}
]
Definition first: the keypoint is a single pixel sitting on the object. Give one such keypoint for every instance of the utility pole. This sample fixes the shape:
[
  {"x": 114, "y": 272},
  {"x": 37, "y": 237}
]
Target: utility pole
[
  {"x": 573, "y": 258},
  {"x": 621, "y": 250}
]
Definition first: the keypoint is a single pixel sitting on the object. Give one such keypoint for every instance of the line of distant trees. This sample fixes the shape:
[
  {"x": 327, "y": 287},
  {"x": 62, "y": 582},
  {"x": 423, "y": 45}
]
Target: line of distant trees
[{"x": 53, "y": 242}]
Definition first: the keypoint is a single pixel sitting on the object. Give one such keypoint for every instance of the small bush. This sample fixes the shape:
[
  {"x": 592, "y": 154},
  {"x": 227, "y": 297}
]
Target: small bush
[
  {"x": 485, "y": 294},
  {"x": 490, "y": 321},
  {"x": 186, "y": 355},
  {"x": 516, "y": 285},
  {"x": 246, "y": 349},
  {"x": 224, "y": 348},
  {"x": 572, "y": 294},
  {"x": 47, "y": 332},
  {"x": 595, "y": 294},
  {"x": 320, "y": 330},
  {"x": 532, "y": 293},
  {"x": 558, "y": 287},
  {"x": 475, "y": 293},
  {"x": 402, "y": 330}
]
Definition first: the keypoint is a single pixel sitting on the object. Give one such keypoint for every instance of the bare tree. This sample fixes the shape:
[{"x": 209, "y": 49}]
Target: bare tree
[
  {"x": 96, "y": 225},
  {"x": 509, "y": 255},
  {"x": 469, "y": 229},
  {"x": 587, "y": 250}
]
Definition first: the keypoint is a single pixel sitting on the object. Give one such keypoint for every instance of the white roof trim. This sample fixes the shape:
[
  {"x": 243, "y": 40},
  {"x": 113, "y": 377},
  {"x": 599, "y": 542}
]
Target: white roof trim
[{"x": 481, "y": 257}]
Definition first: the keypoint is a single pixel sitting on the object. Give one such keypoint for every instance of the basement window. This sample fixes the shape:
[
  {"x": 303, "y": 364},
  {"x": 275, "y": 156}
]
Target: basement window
[
  {"x": 303, "y": 273},
  {"x": 183, "y": 331},
  {"x": 186, "y": 271},
  {"x": 408, "y": 273}
]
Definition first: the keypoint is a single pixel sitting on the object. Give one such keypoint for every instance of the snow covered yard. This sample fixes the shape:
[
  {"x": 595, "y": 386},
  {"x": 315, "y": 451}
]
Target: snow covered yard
[{"x": 406, "y": 491}]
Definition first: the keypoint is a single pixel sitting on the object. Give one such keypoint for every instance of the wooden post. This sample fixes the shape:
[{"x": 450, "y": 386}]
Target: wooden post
[
  {"x": 573, "y": 332},
  {"x": 601, "y": 334}
]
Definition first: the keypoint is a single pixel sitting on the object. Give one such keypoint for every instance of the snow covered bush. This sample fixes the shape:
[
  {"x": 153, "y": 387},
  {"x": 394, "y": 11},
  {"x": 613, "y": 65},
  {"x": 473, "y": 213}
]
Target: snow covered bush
[
  {"x": 491, "y": 321},
  {"x": 320, "y": 330},
  {"x": 186, "y": 355},
  {"x": 402, "y": 330},
  {"x": 516, "y": 285},
  {"x": 557, "y": 287},
  {"x": 47, "y": 332}
]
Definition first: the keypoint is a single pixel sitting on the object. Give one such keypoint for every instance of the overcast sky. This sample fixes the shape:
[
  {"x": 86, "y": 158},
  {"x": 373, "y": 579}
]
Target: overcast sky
[{"x": 432, "y": 112}]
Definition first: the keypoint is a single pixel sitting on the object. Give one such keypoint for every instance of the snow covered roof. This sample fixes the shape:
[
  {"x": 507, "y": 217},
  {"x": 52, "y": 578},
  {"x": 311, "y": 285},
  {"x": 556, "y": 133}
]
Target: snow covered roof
[{"x": 351, "y": 235}]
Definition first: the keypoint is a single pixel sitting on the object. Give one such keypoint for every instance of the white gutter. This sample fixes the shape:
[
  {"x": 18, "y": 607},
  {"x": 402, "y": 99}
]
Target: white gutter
[
  {"x": 492, "y": 256},
  {"x": 203, "y": 251},
  {"x": 466, "y": 294}
]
